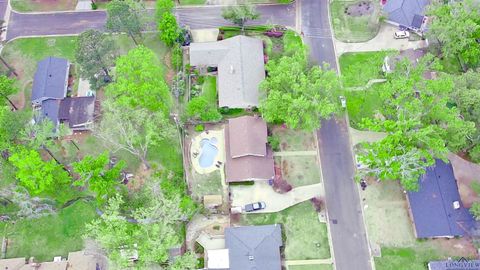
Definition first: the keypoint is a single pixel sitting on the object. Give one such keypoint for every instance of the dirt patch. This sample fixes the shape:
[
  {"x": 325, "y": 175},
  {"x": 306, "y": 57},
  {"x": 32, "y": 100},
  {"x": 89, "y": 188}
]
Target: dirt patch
[
  {"x": 280, "y": 185},
  {"x": 461, "y": 247},
  {"x": 317, "y": 203},
  {"x": 360, "y": 9},
  {"x": 465, "y": 172},
  {"x": 139, "y": 179},
  {"x": 170, "y": 72}
]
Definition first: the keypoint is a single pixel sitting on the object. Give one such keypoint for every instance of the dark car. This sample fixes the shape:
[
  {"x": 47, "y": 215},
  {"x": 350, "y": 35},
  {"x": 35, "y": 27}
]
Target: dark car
[{"x": 254, "y": 206}]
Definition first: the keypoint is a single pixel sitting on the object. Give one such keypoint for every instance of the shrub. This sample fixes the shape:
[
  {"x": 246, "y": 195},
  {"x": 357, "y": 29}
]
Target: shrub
[
  {"x": 475, "y": 210},
  {"x": 244, "y": 183},
  {"x": 474, "y": 154},
  {"x": 177, "y": 57},
  {"x": 199, "y": 128},
  {"x": 200, "y": 109},
  {"x": 475, "y": 187},
  {"x": 94, "y": 6},
  {"x": 274, "y": 142}
]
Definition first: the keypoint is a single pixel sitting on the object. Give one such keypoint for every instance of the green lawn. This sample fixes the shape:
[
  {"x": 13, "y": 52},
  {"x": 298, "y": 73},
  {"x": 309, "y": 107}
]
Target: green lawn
[
  {"x": 358, "y": 68},
  {"x": 311, "y": 267},
  {"x": 349, "y": 28},
  {"x": 35, "y": 5},
  {"x": 294, "y": 140},
  {"x": 300, "y": 170},
  {"x": 49, "y": 236},
  {"x": 363, "y": 104},
  {"x": 451, "y": 65},
  {"x": 306, "y": 236},
  {"x": 406, "y": 258},
  {"x": 206, "y": 184},
  {"x": 209, "y": 89}
]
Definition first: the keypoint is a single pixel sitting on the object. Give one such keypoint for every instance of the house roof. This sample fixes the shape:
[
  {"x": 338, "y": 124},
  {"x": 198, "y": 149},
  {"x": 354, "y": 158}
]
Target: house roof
[
  {"x": 240, "y": 68},
  {"x": 432, "y": 206},
  {"x": 50, "y": 80},
  {"x": 454, "y": 264},
  {"x": 77, "y": 111},
  {"x": 80, "y": 260},
  {"x": 50, "y": 110},
  {"x": 247, "y": 155},
  {"x": 408, "y": 13},
  {"x": 248, "y": 136},
  {"x": 254, "y": 247},
  {"x": 47, "y": 266}
]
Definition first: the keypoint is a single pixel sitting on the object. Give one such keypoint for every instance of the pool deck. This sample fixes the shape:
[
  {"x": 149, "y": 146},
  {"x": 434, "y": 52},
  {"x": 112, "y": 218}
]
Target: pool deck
[{"x": 197, "y": 148}]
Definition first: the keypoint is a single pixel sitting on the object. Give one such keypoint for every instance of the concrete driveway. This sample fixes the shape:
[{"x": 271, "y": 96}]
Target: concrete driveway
[
  {"x": 383, "y": 41},
  {"x": 275, "y": 202}
]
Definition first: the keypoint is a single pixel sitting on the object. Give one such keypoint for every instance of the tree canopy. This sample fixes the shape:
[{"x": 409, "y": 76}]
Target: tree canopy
[
  {"x": 7, "y": 88},
  {"x": 297, "y": 94},
  {"x": 456, "y": 25},
  {"x": 96, "y": 53},
  {"x": 125, "y": 16},
  {"x": 240, "y": 14},
  {"x": 139, "y": 82},
  {"x": 198, "y": 108},
  {"x": 167, "y": 22}
]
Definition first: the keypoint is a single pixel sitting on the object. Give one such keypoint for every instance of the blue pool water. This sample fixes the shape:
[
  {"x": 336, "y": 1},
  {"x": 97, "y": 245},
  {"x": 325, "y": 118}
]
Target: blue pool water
[{"x": 209, "y": 152}]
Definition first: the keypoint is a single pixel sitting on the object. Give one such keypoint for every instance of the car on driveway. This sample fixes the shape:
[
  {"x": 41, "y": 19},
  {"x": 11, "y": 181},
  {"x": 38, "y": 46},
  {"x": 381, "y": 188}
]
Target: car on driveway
[
  {"x": 251, "y": 207},
  {"x": 401, "y": 34}
]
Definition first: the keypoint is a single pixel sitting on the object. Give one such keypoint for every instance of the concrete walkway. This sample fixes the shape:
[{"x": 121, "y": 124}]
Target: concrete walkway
[
  {"x": 308, "y": 262},
  {"x": 261, "y": 191},
  {"x": 200, "y": 224},
  {"x": 383, "y": 41},
  {"x": 294, "y": 153}
]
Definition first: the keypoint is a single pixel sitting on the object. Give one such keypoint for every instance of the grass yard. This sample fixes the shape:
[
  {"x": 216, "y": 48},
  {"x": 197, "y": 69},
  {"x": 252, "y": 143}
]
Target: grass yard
[
  {"x": 363, "y": 104},
  {"x": 311, "y": 267},
  {"x": 451, "y": 65},
  {"x": 294, "y": 140},
  {"x": 49, "y": 236},
  {"x": 306, "y": 237},
  {"x": 43, "y": 5},
  {"x": 349, "y": 28},
  {"x": 299, "y": 170},
  {"x": 359, "y": 67},
  {"x": 206, "y": 184},
  {"x": 406, "y": 258},
  {"x": 209, "y": 90}
]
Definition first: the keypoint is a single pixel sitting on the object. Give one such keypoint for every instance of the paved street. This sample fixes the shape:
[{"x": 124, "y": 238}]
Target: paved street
[
  {"x": 347, "y": 228},
  {"x": 64, "y": 23}
]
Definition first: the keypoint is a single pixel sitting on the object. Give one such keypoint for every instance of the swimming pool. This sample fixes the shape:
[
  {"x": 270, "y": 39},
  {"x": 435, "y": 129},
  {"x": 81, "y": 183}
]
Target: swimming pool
[{"x": 209, "y": 152}]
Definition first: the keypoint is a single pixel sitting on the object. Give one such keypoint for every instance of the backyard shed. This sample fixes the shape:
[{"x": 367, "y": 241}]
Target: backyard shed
[{"x": 436, "y": 208}]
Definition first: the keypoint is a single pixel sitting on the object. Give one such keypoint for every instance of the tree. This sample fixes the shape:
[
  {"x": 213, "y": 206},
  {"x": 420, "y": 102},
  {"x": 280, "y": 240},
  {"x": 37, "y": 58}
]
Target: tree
[
  {"x": 162, "y": 7},
  {"x": 168, "y": 28},
  {"x": 187, "y": 261},
  {"x": 35, "y": 174},
  {"x": 298, "y": 95},
  {"x": 95, "y": 56},
  {"x": 239, "y": 15},
  {"x": 456, "y": 25},
  {"x": 420, "y": 125},
  {"x": 97, "y": 175},
  {"x": 11, "y": 123},
  {"x": 125, "y": 16},
  {"x": 133, "y": 130},
  {"x": 475, "y": 210},
  {"x": 7, "y": 88},
  {"x": 139, "y": 82},
  {"x": 198, "y": 108}
]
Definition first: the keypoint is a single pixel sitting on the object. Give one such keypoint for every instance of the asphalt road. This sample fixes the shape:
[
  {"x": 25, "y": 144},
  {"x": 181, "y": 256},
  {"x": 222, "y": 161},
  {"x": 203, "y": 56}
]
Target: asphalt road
[
  {"x": 3, "y": 8},
  {"x": 347, "y": 229},
  {"x": 64, "y": 23}
]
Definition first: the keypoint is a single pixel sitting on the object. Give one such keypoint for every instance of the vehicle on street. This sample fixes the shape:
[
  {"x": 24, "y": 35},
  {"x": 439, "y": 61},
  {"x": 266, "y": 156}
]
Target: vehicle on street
[
  {"x": 251, "y": 207},
  {"x": 401, "y": 34}
]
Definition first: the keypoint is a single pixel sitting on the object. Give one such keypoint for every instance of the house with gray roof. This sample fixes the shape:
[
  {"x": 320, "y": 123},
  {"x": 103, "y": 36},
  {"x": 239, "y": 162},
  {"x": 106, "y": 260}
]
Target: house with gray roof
[
  {"x": 50, "y": 97},
  {"x": 249, "y": 248},
  {"x": 407, "y": 13},
  {"x": 240, "y": 64},
  {"x": 436, "y": 208},
  {"x": 248, "y": 155}
]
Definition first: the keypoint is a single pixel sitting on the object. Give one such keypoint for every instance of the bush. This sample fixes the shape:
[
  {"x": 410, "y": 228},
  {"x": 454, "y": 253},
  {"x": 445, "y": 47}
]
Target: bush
[
  {"x": 475, "y": 210},
  {"x": 177, "y": 57},
  {"x": 244, "y": 183},
  {"x": 474, "y": 154},
  {"x": 274, "y": 142},
  {"x": 199, "y": 128},
  {"x": 228, "y": 111},
  {"x": 199, "y": 108},
  {"x": 94, "y": 6},
  {"x": 475, "y": 186}
]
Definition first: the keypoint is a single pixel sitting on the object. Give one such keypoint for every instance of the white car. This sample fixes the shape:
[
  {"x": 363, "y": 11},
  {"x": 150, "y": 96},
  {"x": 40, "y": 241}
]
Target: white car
[{"x": 401, "y": 34}]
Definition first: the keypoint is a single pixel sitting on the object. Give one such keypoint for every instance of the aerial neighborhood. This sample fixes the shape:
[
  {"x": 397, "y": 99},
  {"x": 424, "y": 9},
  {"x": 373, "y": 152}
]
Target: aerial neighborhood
[{"x": 241, "y": 135}]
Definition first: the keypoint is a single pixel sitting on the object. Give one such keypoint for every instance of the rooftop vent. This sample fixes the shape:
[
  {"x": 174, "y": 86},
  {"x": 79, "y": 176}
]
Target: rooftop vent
[{"x": 250, "y": 258}]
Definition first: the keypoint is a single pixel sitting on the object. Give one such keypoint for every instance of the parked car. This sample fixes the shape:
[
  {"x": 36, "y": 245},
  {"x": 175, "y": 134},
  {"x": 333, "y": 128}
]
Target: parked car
[
  {"x": 401, "y": 34},
  {"x": 254, "y": 206}
]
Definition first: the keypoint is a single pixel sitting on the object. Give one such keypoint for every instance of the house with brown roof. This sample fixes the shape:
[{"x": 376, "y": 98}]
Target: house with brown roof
[{"x": 248, "y": 156}]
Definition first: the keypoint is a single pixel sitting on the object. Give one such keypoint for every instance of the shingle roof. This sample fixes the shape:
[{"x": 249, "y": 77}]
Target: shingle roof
[
  {"x": 248, "y": 136},
  {"x": 254, "y": 247},
  {"x": 12, "y": 264},
  {"x": 50, "y": 110},
  {"x": 247, "y": 155},
  {"x": 240, "y": 68},
  {"x": 50, "y": 80},
  {"x": 403, "y": 11},
  {"x": 432, "y": 206},
  {"x": 77, "y": 111}
]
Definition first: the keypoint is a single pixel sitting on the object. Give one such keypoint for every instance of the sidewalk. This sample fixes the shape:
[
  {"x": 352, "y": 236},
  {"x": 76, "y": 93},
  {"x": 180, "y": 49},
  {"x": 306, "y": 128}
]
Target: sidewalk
[{"x": 383, "y": 41}]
